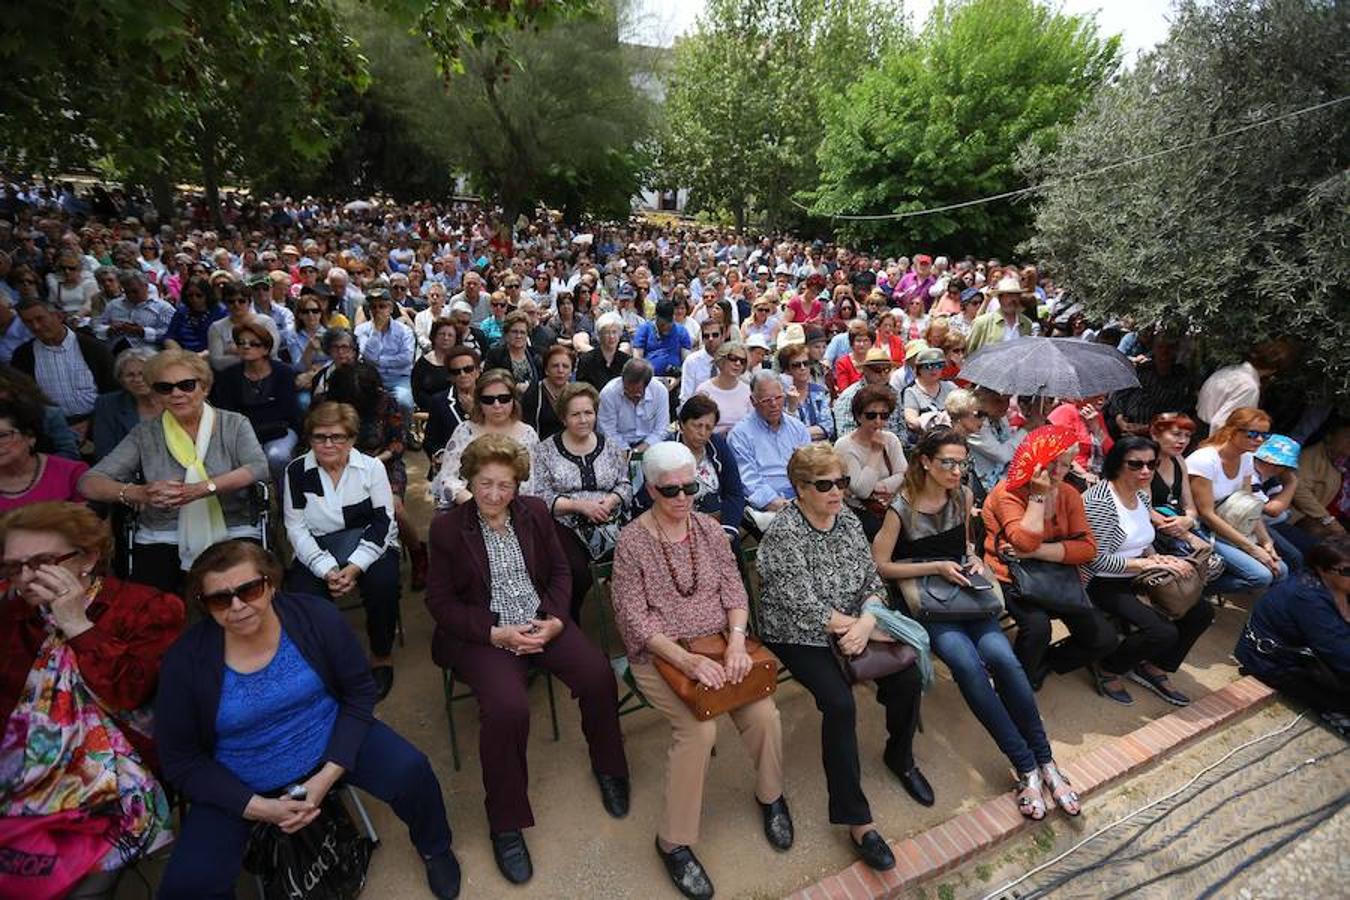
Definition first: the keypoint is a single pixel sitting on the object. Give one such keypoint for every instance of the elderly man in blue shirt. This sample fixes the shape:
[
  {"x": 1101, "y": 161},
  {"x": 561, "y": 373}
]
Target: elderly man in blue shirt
[
  {"x": 390, "y": 346},
  {"x": 763, "y": 443},
  {"x": 635, "y": 407},
  {"x": 134, "y": 317}
]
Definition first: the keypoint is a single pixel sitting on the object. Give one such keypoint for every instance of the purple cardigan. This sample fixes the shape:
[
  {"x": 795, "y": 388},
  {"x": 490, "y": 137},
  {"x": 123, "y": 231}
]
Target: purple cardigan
[{"x": 190, "y": 680}]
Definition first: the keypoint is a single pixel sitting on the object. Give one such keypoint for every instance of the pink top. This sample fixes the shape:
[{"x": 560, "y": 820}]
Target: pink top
[
  {"x": 646, "y": 602},
  {"x": 1067, "y": 415},
  {"x": 799, "y": 314},
  {"x": 56, "y": 481}
]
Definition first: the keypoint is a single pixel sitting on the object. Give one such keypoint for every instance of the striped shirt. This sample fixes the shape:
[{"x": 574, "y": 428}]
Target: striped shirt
[
  {"x": 315, "y": 506},
  {"x": 64, "y": 375},
  {"x": 1103, "y": 518}
]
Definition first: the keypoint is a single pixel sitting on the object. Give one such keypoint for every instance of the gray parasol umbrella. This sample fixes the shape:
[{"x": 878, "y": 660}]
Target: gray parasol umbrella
[{"x": 1050, "y": 367}]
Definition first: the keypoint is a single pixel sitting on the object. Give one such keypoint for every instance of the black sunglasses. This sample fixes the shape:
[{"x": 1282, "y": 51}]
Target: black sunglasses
[
  {"x": 461, "y": 370},
  {"x": 494, "y": 399},
  {"x": 799, "y": 364},
  {"x": 187, "y": 386},
  {"x": 9, "y": 568},
  {"x": 872, "y": 415},
  {"x": 1138, "y": 465},
  {"x": 248, "y": 592},
  {"x": 671, "y": 491},
  {"x": 824, "y": 485}
]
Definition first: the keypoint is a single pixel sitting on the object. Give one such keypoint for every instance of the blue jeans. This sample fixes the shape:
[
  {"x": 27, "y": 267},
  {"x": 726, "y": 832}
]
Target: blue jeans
[
  {"x": 1241, "y": 572},
  {"x": 279, "y": 452},
  {"x": 401, "y": 388},
  {"x": 974, "y": 650},
  {"x": 210, "y": 847}
]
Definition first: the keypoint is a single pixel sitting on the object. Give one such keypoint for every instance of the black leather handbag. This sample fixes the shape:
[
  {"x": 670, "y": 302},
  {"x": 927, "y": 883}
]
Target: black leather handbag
[
  {"x": 1054, "y": 587},
  {"x": 942, "y": 601}
]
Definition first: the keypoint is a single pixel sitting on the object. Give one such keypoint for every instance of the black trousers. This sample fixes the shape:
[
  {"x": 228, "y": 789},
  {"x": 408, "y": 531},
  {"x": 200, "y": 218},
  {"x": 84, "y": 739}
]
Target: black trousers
[
  {"x": 579, "y": 562},
  {"x": 1091, "y": 637},
  {"x": 1155, "y": 638},
  {"x": 158, "y": 566},
  {"x": 380, "y": 589},
  {"x": 818, "y": 671},
  {"x": 1311, "y": 690}
]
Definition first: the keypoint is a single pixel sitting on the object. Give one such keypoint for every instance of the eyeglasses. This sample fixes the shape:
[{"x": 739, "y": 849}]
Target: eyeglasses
[
  {"x": 494, "y": 399},
  {"x": 712, "y": 334},
  {"x": 933, "y": 365},
  {"x": 248, "y": 592},
  {"x": 953, "y": 465},
  {"x": 187, "y": 386},
  {"x": 7, "y": 436},
  {"x": 671, "y": 491},
  {"x": 739, "y": 360},
  {"x": 12, "y": 567},
  {"x": 310, "y": 311},
  {"x": 1258, "y": 435},
  {"x": 249, "y": 345},
  {"x": 799, "y": 364},
  {"x": 1138, "y": 465},
  {"x": 1343, "y": 571},
  {"x": 825, "y": 485},
  {"x": 498, "y": 306},
  {"x": 873, "y": 415},
  {"x": 329, "y": 439},
  {"x": 459, "y": 370}
]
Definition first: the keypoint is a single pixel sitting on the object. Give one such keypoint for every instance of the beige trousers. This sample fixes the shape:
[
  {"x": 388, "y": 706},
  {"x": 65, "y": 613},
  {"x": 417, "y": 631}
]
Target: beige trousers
[{"x": 691, "y": 744}]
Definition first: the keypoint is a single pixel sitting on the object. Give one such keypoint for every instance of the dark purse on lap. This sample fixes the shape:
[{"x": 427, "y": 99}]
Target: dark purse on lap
[
  {"x": 1054, "y": 587},
  {"x": 878, "y": 659},
  {"x": 342, "y": 544}
]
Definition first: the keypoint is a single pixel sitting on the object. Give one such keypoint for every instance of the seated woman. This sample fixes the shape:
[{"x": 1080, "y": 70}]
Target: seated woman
[
  {"x": 1173, "y": 513},
  {"x": 304, "y": 345},
  {"x": 514, "y": 353},
  {"x": 496, "y": 410},
  {"x": 451, "y": 407},
  {"x": 262, "y": 389},
  {"x": 721, "y": 494},
  {"x": 190, "y": 472},
  {"x": 1297, "y": 639},
  {"x": 538, "y": 406},
  {"x": 817, "y": 578},
  {"x": 1118, "y": 513},
  {"x": 28, "y": 475},
  {"x": 583, "y": 478},
  {"x": 1223, "y": 467},
  {"x": 807, "y": 399},
  {"x": 848, "y": 368},
  {"x": 1032, "y": 514},
  {"x": 929, "y": 519},
  {"x": 600, "y": 366},
  {"x": 197, "y": 311},
  {"x": 339, "y": 345},
  {"x": 382, "y": 436},
  {"x": 928, "y": 394},
  {"x": 499, "y": 593},
  {"x": 675, "y": 578},
  {"x": 117, "y": 412},
  {"x": 270, "y": 690},
  {"x": 73, "y": 639},
  {"x": 339, "y": 513},
  {"x": 727, "y": 388},
  {"x": 1084, "y": 418},
  {"x": 431, "y": 372},
  {"x": 873, "y": 458}
]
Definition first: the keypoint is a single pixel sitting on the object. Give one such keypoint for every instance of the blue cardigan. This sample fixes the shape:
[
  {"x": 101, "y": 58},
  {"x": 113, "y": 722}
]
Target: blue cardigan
[
  {"x": 1296, "y": 613},
  {"x": 732, "y": 491},
  {"x": 190, "y": 680}
]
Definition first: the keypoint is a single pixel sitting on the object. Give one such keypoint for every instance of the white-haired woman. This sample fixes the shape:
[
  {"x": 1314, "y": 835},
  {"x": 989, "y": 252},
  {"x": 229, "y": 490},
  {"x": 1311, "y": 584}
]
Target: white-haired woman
[
  {"x": 602, "y": 365},
  {"x": 117, "y": 412},
  {"x": 675, "y": 579}
]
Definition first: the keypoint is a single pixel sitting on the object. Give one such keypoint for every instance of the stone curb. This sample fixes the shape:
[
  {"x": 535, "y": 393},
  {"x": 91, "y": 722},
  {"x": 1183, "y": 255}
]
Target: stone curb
[{"x": 955, "y": 841}]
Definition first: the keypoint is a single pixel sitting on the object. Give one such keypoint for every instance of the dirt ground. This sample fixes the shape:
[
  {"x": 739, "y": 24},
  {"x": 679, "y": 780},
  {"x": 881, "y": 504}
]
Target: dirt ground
[{"x": 580, "y": 852}]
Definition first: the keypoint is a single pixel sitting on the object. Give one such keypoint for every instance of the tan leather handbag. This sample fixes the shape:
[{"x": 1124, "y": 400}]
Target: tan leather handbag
[{"x": 706, "y": 703}]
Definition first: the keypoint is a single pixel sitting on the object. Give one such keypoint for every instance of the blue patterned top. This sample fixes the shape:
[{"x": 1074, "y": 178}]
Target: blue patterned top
[{"x": 274, "y": 724}]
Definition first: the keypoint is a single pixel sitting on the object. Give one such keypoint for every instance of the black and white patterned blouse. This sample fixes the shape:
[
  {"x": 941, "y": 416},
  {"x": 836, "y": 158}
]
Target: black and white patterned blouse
[
  {"x": 315, "y": 507},
  {"x": 513, "y": 599},
  {"x": 557, "y": 472},
  {"x": 807, "y": 573}
]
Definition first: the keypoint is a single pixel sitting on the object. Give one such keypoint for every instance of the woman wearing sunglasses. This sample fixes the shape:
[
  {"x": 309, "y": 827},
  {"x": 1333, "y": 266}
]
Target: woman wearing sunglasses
[
  {"x": 727, "y": 388},
  {"x": 79, "y": 661},
  {"x": 675, "y": 578},
  {"x": 268, "y": 691},
  {"x": 1221, "y": 475},
  {"x": 496, "y": 410},
  {"x": 817, "y": 577},
  {"x": 926, "y": 533},
  {"x": 1297, "y": 639},
  {"x": 263, "y": 390},
  {"x": 499, "y": 593},
  {"x": 195, "y": 465},
  {"x": 873, "y": 458},
  {"x": 220, "y": 335},
  {"x": 1118, "y": 512},
  {"x": 928, "y": 394},
  {"x": 191, "y": 323}
]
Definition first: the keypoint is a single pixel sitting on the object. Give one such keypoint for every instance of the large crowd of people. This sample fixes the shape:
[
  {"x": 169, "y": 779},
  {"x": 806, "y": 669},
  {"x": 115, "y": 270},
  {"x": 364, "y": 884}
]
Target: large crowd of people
[{"x": 203, "y": 438}]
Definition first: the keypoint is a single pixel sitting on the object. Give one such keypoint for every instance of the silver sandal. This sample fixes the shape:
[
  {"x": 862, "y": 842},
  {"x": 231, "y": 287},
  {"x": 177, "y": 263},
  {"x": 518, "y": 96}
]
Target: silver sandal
[
  {"x": 1030, "y": 800},
  {"x": 1066, "y": 798}
]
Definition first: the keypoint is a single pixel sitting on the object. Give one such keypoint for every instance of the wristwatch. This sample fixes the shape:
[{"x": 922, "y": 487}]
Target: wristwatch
[{"x": 210, "y": 487}]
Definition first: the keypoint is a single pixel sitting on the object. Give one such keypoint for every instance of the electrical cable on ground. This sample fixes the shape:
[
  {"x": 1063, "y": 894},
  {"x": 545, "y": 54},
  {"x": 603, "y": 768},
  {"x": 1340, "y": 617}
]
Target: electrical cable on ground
[
  {"x": 880, "y": 217},
  {"x": 1318, "y": 818},
  {"x": 1106, "y": 828}
]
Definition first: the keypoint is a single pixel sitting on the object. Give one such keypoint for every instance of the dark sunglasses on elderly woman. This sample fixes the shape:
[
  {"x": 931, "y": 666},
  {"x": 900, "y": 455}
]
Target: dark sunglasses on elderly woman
[
  {"x": 248, "y": 592},
  {"x": 187, "y": 386},
  {"x": 825, "y": 485},
  {"x": 671, "y": 491},
  {"x": 9, "y": 568}
]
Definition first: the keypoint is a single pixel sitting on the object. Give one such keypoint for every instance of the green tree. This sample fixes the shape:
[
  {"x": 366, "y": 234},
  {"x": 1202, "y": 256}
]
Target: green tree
[
  {"x": 1235, "y": 239},
  {"x": 942, "y": 118},
  {"x": 745, "y": 94}
]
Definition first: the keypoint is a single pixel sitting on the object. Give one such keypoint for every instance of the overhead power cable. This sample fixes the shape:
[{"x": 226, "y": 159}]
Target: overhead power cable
[{"x": 1107, "y": 168}]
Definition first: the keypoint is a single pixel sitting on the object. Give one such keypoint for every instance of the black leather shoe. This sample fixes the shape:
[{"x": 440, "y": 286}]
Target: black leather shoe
[
  {"x": 443, "y": 876},
  {"x": 384, "y": 681},
  {"x": 613, "y": 794},
  {"x": 513, "y": 857},
  {"x": 777, "y": 823},
  {"x": 686, "y": 872},
  {"x": 917, "y": 786},
  {"x": 874, "y": 851}
]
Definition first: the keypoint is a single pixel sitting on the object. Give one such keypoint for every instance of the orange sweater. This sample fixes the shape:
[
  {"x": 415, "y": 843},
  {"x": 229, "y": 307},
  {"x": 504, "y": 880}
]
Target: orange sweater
[{"x": 1003, "y": 509}]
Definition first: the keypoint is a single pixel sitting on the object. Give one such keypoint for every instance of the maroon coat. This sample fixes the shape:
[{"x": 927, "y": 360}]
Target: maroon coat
[{"x": 458, "y": 585}]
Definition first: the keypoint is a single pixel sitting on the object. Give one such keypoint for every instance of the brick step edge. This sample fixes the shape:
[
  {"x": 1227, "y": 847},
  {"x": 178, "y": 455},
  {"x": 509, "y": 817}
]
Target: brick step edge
[{"x": 957, "y": 840}]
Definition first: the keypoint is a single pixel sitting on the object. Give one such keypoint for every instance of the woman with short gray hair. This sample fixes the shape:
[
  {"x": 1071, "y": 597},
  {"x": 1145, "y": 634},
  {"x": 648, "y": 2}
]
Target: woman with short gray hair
[{"x": 117, "y": 412}]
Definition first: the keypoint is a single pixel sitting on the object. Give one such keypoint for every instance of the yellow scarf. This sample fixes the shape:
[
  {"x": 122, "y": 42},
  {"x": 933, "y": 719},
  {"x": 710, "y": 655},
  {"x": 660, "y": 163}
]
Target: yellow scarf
[{"x": 201, "y": 523}]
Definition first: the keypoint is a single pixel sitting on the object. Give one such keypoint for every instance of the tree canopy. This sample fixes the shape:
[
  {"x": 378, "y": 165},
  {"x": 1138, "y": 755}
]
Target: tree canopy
[
  {"x": 942, "y": 117},
  {"x": 1234, "y": 239}
]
